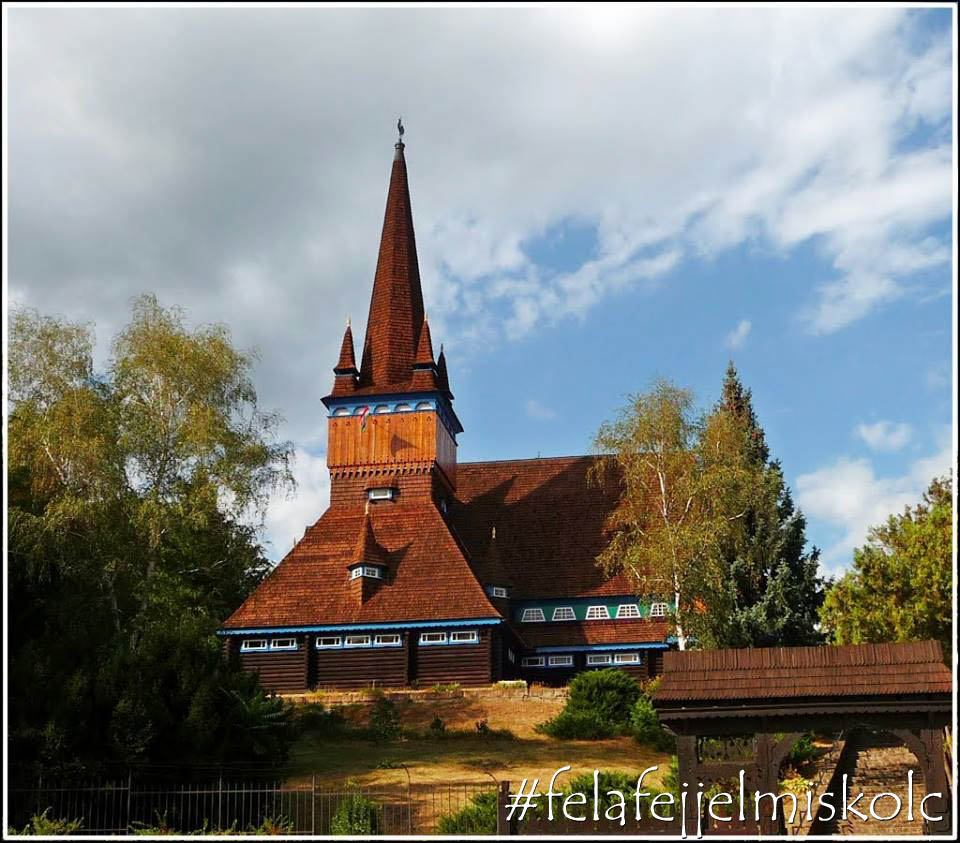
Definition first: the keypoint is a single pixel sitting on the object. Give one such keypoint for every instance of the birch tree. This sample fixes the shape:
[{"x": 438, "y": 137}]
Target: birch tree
[{"x": 686, "y": 484}]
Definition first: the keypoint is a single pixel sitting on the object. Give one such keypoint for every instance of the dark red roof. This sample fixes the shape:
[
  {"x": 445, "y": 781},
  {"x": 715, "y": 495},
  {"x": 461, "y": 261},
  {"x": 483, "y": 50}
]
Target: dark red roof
[
  {"x": 347, "y": 362},
  {"x": 367, "y": 549},
  {"x": 550, "y": 524},
  {"x": 396, "y": 306},
  {"x": 569, "y": 634},
  {"x": 798, "y": 672},
  {"x": 428, "y": 577}
]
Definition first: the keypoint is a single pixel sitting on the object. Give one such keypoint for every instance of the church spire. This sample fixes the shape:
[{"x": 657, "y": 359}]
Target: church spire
[
  {"x": 345, "y": 371},
  {"x": 396, "y": 306},
  {"x": 424, "y": 369}
]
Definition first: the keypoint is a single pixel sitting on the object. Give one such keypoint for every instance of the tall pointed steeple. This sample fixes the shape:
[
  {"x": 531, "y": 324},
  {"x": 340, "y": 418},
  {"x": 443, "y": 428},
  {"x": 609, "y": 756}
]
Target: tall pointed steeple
[
  {"x": 345, "y": 380},
  {"x": 396, "y": 306}
]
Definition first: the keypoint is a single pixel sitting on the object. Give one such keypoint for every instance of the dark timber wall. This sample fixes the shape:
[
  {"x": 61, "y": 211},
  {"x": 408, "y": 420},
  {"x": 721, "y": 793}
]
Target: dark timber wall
[
  {"x": 284, "y": 670},
  {"x": 468, "y": 664},
  {"x": 361, "y": 667}
]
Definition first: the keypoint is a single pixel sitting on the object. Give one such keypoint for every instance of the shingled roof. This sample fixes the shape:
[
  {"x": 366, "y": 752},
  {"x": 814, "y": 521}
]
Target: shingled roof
[
  {"x": 427, "y": 576},
  {"x": 794, "y": 673},
  {"x": 550, "y": 525},
  {"x": 396, "y": 306},
  {"x": 594, "y": 633}
]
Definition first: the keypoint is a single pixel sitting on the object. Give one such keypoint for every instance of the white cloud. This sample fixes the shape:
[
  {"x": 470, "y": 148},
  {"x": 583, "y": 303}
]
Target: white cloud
[
  {"x": 539, "y": 412},
  {"x": 738, "y": 336},
  {"x": 288, "y": 518},
  {"x": 849, "y": 495},
  {"x": 885, "y": 435}
]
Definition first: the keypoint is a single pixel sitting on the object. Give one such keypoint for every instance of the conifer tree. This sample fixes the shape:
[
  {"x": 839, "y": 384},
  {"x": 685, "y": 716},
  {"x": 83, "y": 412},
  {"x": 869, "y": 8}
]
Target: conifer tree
[{"x": 774, "y": 592}]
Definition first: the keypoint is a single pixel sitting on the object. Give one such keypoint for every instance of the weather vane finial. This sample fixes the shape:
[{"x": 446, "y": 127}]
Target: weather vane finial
[{"x": 400, "y": 129}]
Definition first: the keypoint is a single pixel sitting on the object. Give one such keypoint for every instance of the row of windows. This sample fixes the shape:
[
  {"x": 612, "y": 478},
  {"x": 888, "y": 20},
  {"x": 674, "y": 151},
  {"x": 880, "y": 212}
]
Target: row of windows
[
  {"x": 330, "y": 642},
  {"x": 384, "y": 408},
  {"x": 594, "y": 613},
  {"x": 592, "y": 659},
  {"x": 254, "y": 644}
]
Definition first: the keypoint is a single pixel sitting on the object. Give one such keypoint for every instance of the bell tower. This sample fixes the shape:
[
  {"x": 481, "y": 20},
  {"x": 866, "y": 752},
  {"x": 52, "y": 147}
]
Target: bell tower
[{"x": 391, "y": 427}]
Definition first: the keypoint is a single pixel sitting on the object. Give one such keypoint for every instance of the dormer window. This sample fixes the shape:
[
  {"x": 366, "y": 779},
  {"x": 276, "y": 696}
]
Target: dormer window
[
  {"x": 628, "y": 610},
  {"x": 658, "y": 610},
  {"x": 496, "y": 591},
  {"x": 597, "y": 613},
  {"x": 532, "y": 616},
  {"x": 372, "y": 571},
  {"x": 563, "y": 613},
  {"x": 381, "y": 493}
]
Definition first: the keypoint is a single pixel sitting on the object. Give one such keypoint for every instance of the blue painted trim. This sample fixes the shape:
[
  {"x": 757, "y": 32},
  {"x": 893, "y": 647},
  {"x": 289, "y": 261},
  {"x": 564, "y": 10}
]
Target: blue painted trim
[
  {"x": 592, "y": 648},
  {"x": 442, "y": 404},
  {"x": 358, "y": 627}
]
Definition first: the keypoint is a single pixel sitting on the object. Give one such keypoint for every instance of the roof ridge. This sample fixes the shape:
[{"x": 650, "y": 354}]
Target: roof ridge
[{"x": 534, "y": 459}]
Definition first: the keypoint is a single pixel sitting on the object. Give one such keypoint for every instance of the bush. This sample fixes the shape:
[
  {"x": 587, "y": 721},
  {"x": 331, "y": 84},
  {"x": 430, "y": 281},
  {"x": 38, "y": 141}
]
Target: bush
[
  {"x": 803, "y": 750},
  {"x": 599, "y": 705},
  {"x": 42, "y": 824},
  {"x": 437, "y": 726},
  {"x": 609, "y": 693},
  {"x": 478, "y": 817},
  {"x": 646, "y": 726},
  {"x": 356, "y": 815},
  {"x": 316, "y": 718},
  {"x": 577, "y": 725},
  {"x": 384, "y": 723}
]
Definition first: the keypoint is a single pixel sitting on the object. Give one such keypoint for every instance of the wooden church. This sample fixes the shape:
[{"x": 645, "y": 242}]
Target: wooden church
[{"x": 424, "y": 570}]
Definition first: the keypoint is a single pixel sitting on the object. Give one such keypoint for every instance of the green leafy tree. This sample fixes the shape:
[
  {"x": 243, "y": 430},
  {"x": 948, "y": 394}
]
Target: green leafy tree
[
  {"x": 684, "y": 480},
  {"x": 135, "y": 498},
  {"x": 900, "y": 587}
]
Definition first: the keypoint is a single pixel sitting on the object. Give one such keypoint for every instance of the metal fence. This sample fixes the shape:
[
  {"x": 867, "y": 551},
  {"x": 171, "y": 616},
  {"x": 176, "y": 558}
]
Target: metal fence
[{"x": 126, "y": 805}]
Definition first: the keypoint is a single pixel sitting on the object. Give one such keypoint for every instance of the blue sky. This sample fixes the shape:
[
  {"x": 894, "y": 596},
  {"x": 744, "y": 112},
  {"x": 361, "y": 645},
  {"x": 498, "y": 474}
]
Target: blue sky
[{"x": 601, "y": 196}]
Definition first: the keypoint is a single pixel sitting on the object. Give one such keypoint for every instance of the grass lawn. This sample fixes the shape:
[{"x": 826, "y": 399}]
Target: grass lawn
[{"x": 466, "y": 758}]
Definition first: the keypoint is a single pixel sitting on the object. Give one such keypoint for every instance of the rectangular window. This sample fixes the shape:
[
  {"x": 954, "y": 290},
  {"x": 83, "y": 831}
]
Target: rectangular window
[
  {"x": 626, "y": 658},
  {"x": 326, "y": 643},
  {"x": 563, "y": 613},
  {"x": 498, "y": 591},
  {"x": 433, "y": 638},
  {"x": 385, "y": 494},
  {"x": 283, "y": 644},
  {"x": 533, "y": 661},
  {"x": 369, "y": 571},
  {"x": 530, "y": 615},
  {"x": 597, "y": 613},
  {"x": 253, "y": 644},
  {"x": 561, "y": 661},
  {"x": 356, "y": 572},
  {"x": 628, "y": 610},
  {"x": 464, "y": 637},
  {"x": 598, "y": 658},
  {"x": 658, "y": 610},
  {"x": 357, "y": 641},
  {"x": 387, "y": 641}
]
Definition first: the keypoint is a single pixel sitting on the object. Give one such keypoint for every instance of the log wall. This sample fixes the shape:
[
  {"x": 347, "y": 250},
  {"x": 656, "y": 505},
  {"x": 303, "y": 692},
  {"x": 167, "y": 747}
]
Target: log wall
[{"x": 280, "y": 670}]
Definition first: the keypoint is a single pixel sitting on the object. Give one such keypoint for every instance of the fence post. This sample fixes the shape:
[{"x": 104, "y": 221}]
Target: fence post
[
  {"x": 129, "y": 788},
  {"x": 505, "y": 826},
  {"x": 220, "y": 802},
  {"x": 313, "y": 804}
]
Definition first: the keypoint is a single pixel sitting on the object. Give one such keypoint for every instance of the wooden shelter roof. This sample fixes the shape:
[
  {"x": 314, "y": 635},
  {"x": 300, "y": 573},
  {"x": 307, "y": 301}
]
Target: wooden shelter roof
[{"x": 803, "y": 673}]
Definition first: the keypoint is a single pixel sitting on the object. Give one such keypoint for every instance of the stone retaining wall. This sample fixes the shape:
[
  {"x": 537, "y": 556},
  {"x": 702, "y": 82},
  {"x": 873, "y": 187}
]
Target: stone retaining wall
[{"x": 520, "y": 691}]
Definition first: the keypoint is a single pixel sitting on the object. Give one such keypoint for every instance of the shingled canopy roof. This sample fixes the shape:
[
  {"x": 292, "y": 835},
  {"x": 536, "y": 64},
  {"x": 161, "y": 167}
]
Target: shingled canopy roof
[{"x": 794, "y": 674}]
